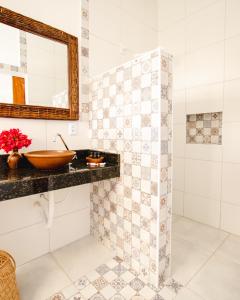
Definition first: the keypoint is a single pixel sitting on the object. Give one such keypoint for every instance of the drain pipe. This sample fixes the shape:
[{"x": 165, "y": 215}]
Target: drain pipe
[{"x": 48, "y": 215}]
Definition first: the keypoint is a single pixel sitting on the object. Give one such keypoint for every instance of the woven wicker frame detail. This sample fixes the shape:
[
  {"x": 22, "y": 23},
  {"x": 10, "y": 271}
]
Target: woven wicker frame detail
[{"x": 24, "y": 23}]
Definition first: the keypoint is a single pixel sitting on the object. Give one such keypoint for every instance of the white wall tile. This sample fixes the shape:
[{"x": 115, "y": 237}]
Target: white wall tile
[
  {"x": 232, "y": 18},
  {"x": 193, "y": 6},
  {"x": 67, "y": 229},
  {"x": 204, "y": 152},
  {"x": 133, "y": 33},
  {"x": 179, "y": 72},
  {"x": 206, "y": 26},
  {"x": 201, "y": 209},
  {"x": 19, "y": 213},
  {"x": 178, "y": 202},
  {"x": 100, "y": 49},
  {"x": 230, "y": 218},
  {"x": 232, "y": 60},
  {"x": 27, "y": 243},
  {"x": 173, "y": 39},
  {"x": 72, "y": 199},
  {"x": 231, "y": 142},
  {"x": 178, "y": 174},
  {"x": 78, "y": 141},
  {"x": 203, "y": 99},
  {"x": 105, "y": 20},
  {"x": 205, "y": 65},
  {"x": 170, "y": 12},
  {"x": 231, "y": 183},
  {"x": 143, "y": 11},
  {"x": 203, "y": 178},
  {"x": 231, "y": 101},
  {"x": 179, "y": 112},
  {"x": 179, "y": 140},
  {"x": 205, "y": 79}
]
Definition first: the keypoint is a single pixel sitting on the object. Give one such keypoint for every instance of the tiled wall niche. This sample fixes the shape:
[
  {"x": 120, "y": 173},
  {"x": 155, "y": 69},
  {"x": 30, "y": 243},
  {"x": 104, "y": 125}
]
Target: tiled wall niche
[
  {"x": 206, "y": 78},
  {"x": 130, "y": 113},
  {"x": 205, "y": 128}
]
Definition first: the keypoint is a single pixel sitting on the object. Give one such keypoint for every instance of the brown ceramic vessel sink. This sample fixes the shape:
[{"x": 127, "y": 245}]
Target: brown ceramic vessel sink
[{"x": 50, "y": 159}]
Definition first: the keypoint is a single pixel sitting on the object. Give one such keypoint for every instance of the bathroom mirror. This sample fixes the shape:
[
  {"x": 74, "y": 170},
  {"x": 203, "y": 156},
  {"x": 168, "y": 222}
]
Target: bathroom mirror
[{"x": 38, "y": 69}]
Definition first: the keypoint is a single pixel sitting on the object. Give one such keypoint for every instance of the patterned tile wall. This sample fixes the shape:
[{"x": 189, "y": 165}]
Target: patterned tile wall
[
  {"x": 205, "y": 128},
  {"x": 84, "y": 61},
  {"x": 130, "y": 113}
]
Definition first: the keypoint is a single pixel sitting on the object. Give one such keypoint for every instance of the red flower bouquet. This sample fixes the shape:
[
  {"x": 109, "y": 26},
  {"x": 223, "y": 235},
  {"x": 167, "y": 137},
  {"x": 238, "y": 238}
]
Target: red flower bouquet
[{"x": 13, "y": 140}]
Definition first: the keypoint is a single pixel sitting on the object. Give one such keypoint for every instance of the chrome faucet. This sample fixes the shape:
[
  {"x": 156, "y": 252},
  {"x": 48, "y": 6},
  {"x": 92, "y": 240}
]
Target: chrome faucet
[{"x": 64, "y": 143}]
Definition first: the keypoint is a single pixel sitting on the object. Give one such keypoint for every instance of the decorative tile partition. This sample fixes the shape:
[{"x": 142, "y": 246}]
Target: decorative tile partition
[
  {"x": 130, "y": 113},
  {"x": 84, "y": 63},
  {"x": 204, "y": 128}
]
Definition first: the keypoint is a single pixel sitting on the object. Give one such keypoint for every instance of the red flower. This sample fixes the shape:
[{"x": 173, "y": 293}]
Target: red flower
[{"x": 13, "y": 139}]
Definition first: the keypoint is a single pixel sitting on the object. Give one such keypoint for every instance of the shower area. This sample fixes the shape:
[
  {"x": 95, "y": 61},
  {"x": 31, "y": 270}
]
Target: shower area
[{"x": 204, "y": 39}]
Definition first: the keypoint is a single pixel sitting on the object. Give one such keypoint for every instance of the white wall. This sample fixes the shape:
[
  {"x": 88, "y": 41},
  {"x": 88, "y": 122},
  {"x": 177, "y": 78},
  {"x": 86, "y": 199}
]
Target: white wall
[
  {"x": 120, "y": 29},
  {"x": 22, "y": 229},
  {"x": 204, "y": 37}
]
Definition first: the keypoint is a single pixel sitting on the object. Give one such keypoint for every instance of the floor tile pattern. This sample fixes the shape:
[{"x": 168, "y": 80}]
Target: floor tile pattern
[{"x": 114, "y": 281}]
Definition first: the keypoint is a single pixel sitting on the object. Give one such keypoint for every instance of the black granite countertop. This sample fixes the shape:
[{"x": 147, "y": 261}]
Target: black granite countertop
[{"x": 27, "y": 180}]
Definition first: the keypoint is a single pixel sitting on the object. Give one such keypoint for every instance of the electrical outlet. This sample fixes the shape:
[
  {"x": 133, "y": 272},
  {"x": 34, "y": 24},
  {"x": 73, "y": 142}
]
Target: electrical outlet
[{"x": 72, "y": 129}]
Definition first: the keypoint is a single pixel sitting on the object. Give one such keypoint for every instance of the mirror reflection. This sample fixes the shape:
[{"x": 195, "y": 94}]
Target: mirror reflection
[{"x": 33, "y": 69}]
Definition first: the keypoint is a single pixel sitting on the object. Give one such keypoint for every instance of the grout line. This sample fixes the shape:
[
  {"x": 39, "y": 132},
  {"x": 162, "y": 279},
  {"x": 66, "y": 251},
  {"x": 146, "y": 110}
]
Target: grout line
[
  {"x": 42, "y": 222},
  {"x": 205, "y": 263},
  {"x": 223, "y": 105},
  {"x": 186, "y": 16},
  {"x": 61, "y": 267},
  {"x": 207, "y": 225},
  {"x": 195, "y": 293},
  {"x": 213, "y": 161}
]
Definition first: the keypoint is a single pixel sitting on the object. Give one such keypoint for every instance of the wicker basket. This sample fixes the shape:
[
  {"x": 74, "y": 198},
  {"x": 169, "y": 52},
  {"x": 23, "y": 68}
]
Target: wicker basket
[{"x": 8, "y": 285}]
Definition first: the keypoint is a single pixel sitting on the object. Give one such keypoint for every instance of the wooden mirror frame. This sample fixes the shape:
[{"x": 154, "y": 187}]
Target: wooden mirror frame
[{"x": 27, "y": 24}]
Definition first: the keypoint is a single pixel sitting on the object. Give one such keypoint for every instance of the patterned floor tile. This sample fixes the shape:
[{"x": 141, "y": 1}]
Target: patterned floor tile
[
  {"x": 100, "y": 283},
  {"x": 103, "y": 269},
  {"x": 115, "y": 281},
  {"x": 117, "y": 297},
  {"x": 77, "y": 297},
  {"x": 137, "y": 284},
  {"x": 118, "y": 284},
  {"x": 97, "y": 297},
  {"x": 82, "y": 283},
  {"x": 58, "y": 296}
]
